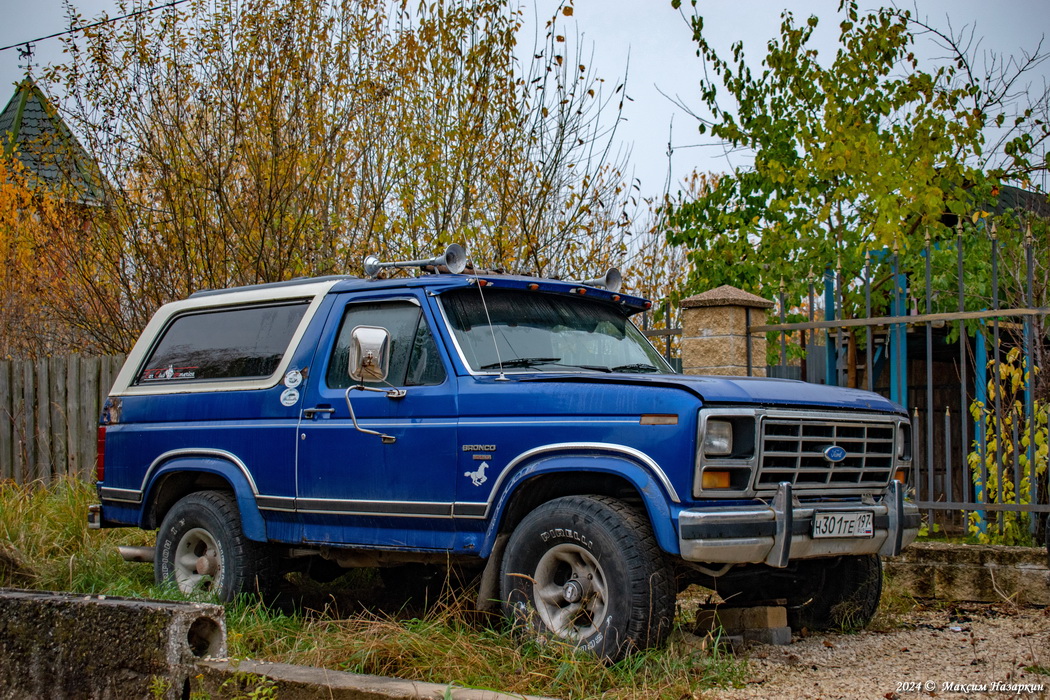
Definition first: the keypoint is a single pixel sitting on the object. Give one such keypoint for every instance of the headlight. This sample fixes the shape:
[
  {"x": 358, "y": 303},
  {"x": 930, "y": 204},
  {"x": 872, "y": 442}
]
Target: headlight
[
  {"x": 718, "y": 438},
  {"x": 904, "y": 442}
]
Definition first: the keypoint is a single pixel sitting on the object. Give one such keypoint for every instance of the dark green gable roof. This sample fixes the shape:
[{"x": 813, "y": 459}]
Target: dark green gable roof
[
  {"x": 32, "y": 130},
  {"x": 1022, "y": 200}
]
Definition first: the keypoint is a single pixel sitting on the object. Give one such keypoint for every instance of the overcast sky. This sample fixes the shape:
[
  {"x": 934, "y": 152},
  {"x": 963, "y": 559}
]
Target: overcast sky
[{"x": 649, "y": 34}]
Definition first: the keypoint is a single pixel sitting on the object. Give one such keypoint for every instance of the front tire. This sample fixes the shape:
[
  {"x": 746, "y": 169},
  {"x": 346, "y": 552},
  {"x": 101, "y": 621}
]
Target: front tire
[
  {"x": 587, "y": 570},
  {"x": 202, "y": 549}
]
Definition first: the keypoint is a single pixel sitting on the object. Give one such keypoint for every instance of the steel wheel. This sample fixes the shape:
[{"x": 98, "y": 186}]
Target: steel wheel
[
  {"x": 587, "y": 571},
  {"x": 198, "y": 561},
  {"x": 571, "y": 596},
  {"x": 202, "y": 549}
]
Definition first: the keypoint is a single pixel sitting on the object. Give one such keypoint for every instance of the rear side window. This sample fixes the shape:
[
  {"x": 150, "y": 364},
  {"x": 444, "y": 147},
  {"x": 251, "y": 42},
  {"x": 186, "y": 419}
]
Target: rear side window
[{"x": 245, "y": 342}]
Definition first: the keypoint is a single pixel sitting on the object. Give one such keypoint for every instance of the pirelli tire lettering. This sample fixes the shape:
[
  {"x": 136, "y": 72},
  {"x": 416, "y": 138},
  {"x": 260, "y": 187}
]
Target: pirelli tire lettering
[{"x": 559, "y": 532}]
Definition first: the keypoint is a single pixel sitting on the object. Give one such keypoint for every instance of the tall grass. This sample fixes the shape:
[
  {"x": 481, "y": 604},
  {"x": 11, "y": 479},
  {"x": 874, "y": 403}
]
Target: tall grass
[
  {"x": 45, "y": 544},
  {"x": 444, "y": 645}
]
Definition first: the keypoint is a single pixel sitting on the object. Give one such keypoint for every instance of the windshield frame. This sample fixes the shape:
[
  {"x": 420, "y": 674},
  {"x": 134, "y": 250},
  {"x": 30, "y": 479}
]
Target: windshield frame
[{"x": 631, "y": 330}]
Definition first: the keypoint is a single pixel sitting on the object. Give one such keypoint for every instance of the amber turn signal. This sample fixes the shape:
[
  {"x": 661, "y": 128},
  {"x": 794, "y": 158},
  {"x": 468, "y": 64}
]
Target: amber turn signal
[{"x": 715, "y": 480}]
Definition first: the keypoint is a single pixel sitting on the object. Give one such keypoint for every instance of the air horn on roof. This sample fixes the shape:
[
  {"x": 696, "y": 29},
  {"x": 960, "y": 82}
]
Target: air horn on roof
[
  {"x": 454, "y": 259},
  {"x": 611, "y": 280}
]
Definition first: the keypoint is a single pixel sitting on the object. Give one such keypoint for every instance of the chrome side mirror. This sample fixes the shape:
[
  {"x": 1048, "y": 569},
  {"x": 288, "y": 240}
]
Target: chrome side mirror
[{"x": 369, "y": 359}]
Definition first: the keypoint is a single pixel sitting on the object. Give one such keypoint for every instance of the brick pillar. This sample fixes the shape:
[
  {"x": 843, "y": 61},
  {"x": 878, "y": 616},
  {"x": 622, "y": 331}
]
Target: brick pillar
[{"x": 714, "y": 332}]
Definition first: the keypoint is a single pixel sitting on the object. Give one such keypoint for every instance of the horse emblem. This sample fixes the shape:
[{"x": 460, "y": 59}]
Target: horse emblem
[{"x": 478, "y": 477}]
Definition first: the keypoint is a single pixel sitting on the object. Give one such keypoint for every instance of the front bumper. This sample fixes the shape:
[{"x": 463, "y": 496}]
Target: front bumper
[{"x": 781, "y": 531}]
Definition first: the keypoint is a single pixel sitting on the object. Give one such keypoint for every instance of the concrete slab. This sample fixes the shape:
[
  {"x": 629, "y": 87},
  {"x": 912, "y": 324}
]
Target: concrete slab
[
  {"x": 308, "y": 683},
  {"x": 977, "y": 573}
]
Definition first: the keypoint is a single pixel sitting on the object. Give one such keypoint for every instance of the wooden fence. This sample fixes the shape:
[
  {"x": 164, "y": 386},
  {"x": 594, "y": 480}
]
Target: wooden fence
[{"x": 49, "y": 411}]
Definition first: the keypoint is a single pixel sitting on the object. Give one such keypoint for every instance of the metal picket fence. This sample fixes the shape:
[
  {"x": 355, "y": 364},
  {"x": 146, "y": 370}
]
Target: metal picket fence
[{"x": 969, "y": 470}]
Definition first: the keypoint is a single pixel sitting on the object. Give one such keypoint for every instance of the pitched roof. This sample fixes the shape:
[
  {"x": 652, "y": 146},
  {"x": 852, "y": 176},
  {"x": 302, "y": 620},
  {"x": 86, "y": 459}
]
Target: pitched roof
[
  {"x": 1023, "y": 200},
  {"x": 726, "y": 295},
  {"x": 31, "y": 128}
]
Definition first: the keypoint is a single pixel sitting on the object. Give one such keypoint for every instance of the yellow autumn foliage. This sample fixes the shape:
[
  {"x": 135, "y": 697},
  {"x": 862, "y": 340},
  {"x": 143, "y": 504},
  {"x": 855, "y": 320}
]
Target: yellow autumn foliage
[
  {"x": 25, "y": 327},
  {"x": 263, "y": 140}
]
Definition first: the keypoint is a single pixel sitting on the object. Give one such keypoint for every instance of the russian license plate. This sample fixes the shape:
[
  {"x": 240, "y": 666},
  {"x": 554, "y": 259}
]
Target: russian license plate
[{"x": 842, "y": 525}]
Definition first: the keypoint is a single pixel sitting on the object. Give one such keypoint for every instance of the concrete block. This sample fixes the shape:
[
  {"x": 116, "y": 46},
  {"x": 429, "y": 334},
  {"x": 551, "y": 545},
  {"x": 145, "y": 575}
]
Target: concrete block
[
  {"x": 740, "y": 619},
  {"x": 735, "y": 642},
  {"x": 64, "y": 645},
  {"x": 773, "y": 635},
  {"x": 764, "y": 617}
]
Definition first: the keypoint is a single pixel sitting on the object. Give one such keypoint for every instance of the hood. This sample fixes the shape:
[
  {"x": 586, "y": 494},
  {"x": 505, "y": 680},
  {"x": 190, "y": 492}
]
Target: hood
[{"x": 745, "y": 390}]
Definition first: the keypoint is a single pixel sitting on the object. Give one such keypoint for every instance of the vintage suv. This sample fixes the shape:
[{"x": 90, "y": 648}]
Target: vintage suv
[{"x": 520, "y": 426}]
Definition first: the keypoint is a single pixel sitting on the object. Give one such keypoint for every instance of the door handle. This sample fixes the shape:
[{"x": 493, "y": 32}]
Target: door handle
[{"x": 311, "y": 412}]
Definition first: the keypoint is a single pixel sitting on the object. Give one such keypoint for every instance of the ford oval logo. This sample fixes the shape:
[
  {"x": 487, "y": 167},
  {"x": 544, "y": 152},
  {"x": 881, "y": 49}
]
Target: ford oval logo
[{"x": 834, "y": 453}]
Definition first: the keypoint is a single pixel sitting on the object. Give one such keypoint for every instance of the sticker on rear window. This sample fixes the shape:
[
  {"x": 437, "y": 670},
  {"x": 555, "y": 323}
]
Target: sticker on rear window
[{"x": 169, "y": 372}]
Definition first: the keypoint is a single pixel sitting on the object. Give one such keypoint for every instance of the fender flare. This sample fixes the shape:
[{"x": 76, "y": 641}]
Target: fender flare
[
  {"x": 656, "y": 499},
  {"x": 224, "y": 465}
]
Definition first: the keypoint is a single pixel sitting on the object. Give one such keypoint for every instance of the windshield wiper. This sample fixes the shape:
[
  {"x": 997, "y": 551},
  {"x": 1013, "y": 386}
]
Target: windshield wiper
[
  {"x": 532, "y": 361},
  {"x": 521, "y": 362},
  {"x": 636, "y": 367}
]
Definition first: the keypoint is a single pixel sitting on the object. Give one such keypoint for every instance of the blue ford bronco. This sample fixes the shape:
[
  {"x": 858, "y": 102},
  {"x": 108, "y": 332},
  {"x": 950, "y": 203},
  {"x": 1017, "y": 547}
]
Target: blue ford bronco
[{"x": 520, "y": 427}]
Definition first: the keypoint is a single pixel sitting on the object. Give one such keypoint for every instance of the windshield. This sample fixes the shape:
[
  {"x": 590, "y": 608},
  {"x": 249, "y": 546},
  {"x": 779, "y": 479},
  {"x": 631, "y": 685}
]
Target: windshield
[{"x": 546, "y": 333}]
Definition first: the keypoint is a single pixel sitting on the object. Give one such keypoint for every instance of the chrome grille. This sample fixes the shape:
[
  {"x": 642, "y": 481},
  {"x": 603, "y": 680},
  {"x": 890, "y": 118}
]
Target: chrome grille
[{"x": 792, "y": 449}]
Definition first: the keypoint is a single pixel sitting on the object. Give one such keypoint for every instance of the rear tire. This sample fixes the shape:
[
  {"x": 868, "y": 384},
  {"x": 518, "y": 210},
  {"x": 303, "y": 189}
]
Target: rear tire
[
  {"x": 587, "y": 570},
  {"x": 202, "y": 549}
]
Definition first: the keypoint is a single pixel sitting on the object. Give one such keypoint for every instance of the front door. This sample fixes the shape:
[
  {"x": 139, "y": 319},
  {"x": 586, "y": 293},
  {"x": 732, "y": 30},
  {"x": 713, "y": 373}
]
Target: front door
[{"x": 354, "y": 488}]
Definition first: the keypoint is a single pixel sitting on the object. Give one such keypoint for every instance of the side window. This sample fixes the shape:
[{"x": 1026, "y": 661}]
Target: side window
[
  {"x": 414, "y": 357},
  {"x": 245, "y": 342}
]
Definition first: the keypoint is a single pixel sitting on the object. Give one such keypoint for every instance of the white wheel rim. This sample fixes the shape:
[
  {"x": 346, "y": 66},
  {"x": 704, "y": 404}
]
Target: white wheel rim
[
  {"x": 198, "y": 561},
  {"x": 570, "y": 592}
]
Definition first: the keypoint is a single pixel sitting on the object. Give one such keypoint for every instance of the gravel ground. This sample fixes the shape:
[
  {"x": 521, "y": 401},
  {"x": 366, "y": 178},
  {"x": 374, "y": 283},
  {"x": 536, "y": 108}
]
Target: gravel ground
[{"x": 956, "y": 651}]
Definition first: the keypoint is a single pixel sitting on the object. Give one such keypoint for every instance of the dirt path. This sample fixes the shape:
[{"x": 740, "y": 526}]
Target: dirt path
[{"x": 963, "y": 651}]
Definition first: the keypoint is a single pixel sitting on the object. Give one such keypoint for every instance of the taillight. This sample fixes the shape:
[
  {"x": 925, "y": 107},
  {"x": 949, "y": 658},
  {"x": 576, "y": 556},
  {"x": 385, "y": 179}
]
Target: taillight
[{"x": 100, "y": 457}]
